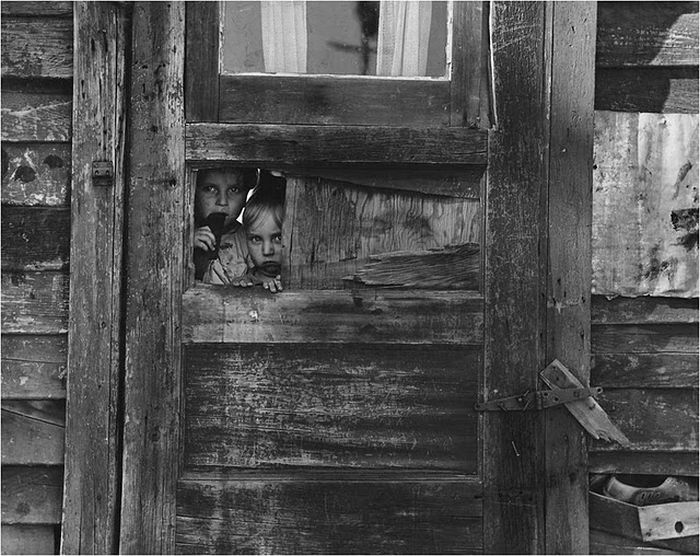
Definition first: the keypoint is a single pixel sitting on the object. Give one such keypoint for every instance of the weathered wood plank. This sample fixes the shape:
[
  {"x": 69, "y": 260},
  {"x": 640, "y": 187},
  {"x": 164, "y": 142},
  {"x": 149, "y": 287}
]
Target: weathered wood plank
[
  {"x": 35, "y": 302},
  {"x": 35, "y": 238},
  {"x": 609, "y": 543},
  {"x": 31, "y": 495},
  {"x": 308, "y": 516},
  {"x": 663, "y": 420},
  {"x": 350, "y": 224},
  {"x": 569, "y": 270},
  {"x": 647, "y": 34},
  {"x": 33, "y": 432},
  {"x": 645, "y": 463},
  {"x": 28, "y": 539},
  {"x": 275, "y": 99},
  {"x": 33, "y": 367},
  {"x": 215, "y": 314},
  {"x": 36, "y": 174},
  {"x": 652, "y": 370},
  {"x": 643, "y": 310},
  {"x": 645, "y": 180},
  {"x": 652, "y": 338},
  {"x": 37, "y": 47},
  {"x": 37, "y": 8},
  {"x": 28, "y": 117},
  {"x": 339, "y": 406},
  {"x": 155, "y": 237},
  {"x": 315, "y": 145},
  {"x": 202, "y": 60},
  {"x": 93, "y": 424},
  {"x": 668, "y": 90}
]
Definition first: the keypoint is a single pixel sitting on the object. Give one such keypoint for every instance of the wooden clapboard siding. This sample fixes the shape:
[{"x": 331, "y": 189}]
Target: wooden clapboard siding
[
  {"x": 28, "y": 539},
  {"x": 36, "y": 174},
  {"x": 608, "y": 543},
  {"x": 35, "y": 302},
  {"x": 652, "y": 370},
  {"x": 31, "y": 495},
  {"x": 32, "y": 432},
  {"x": 35, "y": 238},
  {"x": 317, "y": 515},
  {"x": 333, "y": 231},
  {"x": 37, "y": 47},
  {"x": 652, "y": 338},
  {"x": 645, "y": 463},
  {"x": 278, "y": 145},
  {"x": 33, "y": 367},
  {"x": 647, "y": 34},
  {"x": 214, "y": 314},
  {"x": 37, "y": 9},
  {"x": 338, "y": 406},
  {"x": 31, "y": 117},
  {"x": 643, "y": 310}
]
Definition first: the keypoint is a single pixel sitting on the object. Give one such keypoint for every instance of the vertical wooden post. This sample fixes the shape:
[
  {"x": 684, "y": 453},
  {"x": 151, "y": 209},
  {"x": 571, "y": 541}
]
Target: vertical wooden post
[
  {"x": 92, "y": 460},
  {"x": 569, "y": 280},
  {"x": 155, "y": 270}
]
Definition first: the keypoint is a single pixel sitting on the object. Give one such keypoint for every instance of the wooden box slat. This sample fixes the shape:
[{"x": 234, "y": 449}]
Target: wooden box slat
[
  {"x": 35, "y": 238},
  {"x": 652, "y": 338},
  {"x": 651, "y": 370},
  {"x": 33, "y": 367},
  {"x": 31, "y": 117},
  {"x": 338, "y": 406},
  {"x": 37, "y": 47},
  {"x": 31, "y": 495},
  {"x": 35, "y": 302},
  {"x": 38, "y": 174},
  {"x": 645, "y": 463},
  {"x": 28, "y": 539},
  {"x": 609, "y": 543},
  {"x": 33, "y": 432},
  {"x": 643, "y": 310}
]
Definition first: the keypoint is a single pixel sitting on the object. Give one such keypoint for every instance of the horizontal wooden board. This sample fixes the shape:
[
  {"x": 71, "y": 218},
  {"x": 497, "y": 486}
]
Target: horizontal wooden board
[
  {"x": 28, "y": 539},
  {"x": 37, "y": 47},
  {"x": 33, "y": 432},
  {"x": 36, "y": 174},
  {"x": 38, "y": 8},
  {"x": 314, "y": 145},
  {"x": 651, "y": 370},
  {"x": 31, "y": 495},
  {"x": 647, "y": 34},
  {"x": 35, "y": 302},
  {"x": 33, "y": 367},
  {"x": 645, "y": 463},
  {"x": 667, "y": 90},
  {"x": 331, "y": 406},
  {"x": 35, "y": 238},
  {"x": 308, "y": 516},
  {"x": 33, "y": 117},
  {"x": 602, "y": 542},
  {"x": 219, "y": 314},
  {"x": 643, "y": 310},
  {"x": 647, "y": 338},
  {"x": 273, "y": 99},
  {"x": 663, "y": 420}
]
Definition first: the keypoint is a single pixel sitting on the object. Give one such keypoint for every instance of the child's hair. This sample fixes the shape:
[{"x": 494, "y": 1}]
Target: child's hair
[
  {"x": 268, "y": 199},
  {"x": 250, "y": 175}
]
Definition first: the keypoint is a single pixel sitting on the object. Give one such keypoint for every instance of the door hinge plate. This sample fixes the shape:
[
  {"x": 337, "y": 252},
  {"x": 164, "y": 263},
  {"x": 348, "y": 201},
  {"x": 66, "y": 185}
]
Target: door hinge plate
[{"x": 540, "y": 399}]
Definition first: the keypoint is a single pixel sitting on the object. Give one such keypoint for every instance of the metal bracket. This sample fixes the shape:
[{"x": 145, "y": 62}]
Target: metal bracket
[
  {"x": 102, "y": 173},
  {"x": 540, "y": 399}
]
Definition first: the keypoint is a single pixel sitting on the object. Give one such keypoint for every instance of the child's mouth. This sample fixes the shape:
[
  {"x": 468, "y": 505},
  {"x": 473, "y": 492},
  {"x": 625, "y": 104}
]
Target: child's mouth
[{"x": 270, "y": 268}]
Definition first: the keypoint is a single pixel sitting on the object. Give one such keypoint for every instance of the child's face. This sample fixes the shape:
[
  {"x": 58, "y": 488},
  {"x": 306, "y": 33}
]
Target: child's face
[
  {"x": 220, "y": 191},
  {"x": 264, "y": 241}
]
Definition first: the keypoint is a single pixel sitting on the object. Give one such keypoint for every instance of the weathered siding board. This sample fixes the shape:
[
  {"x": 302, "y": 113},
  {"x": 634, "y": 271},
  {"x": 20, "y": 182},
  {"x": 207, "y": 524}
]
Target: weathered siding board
[
  {"x": 338, "y": 406},
  {"x": 31, "y": 495},
  {"x": 32, "y": 432},
  {"x": 648, "y": 338},
  {"x": 33, "y": 367},
  {"x": 28, "y": 539},
  {"x": 37, "y": 9},
  {"x": 644, "y": 310},
  {"x": 35, "y": 238},
  {"x": 645, "y": 463},
  {"x": 36, "y": 174},
  {"x": 608, "y": 543},
  {"x": 37, "y": 47},
  {"x": 31, "y": 117},
  {"x": 317, "y": 516},
  {"x": 652, "y": 370},
  {"x": 202, "y": 61},
  {"x": 35, "y": 302},
  {"x": 645, "y": 205}
]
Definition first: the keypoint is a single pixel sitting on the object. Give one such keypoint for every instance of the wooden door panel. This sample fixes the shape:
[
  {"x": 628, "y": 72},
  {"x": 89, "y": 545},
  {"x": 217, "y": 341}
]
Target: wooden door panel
[
  {"x": 324, "y": 515},
  {"x": 323, "y": 405}
]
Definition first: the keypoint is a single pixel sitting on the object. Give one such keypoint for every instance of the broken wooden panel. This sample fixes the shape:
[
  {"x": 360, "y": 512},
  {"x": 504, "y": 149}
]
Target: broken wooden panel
[
  {"x": 31, "y": 495},
  {"x": 645, "y": 463},
  {"x": 217, "y": 314},
  {"x": 37, "y": 47},
  {"x": 645, "y": 205},
  {"x": 652, "y": 370},
  {"x": 332, "y": 231},
  {"x": 33, "y": 432},
  {"x": 647, "y": 34},
  {"x": 647, "y": 338},
  {"x": 331, "y": 406},
  {"x": 33, "y": 367},
  {"x": 30, "y": 117},
  {"x": 643, "y": 310},
  {"x": 314, "y": 515},
  {"x": 36, "y": 174},
  {"x": 35, "y": 238},
  {"x": 28, "y": 539},
  {"x": 35, "y": 302},
  {"x": 658, "y": 420}
]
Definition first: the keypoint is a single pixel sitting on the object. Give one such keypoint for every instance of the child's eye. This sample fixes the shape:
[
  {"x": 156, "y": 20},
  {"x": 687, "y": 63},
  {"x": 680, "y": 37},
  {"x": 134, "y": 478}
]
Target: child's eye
[
  {"x": 208, "y": 189},
  {"x": 277, "y": 238},
  {"x": 255, "y": 239},
  {"x": 234, "y": 190}
]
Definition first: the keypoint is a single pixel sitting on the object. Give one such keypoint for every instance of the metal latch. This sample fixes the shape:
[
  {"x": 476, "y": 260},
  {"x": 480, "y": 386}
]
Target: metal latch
[
  {"x": 540, "y": 399},
  {"x": 102, "y": 173}
]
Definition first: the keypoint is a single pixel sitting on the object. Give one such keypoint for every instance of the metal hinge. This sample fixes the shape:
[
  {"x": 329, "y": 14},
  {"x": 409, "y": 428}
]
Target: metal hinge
[{"x": 540, "y": 399}]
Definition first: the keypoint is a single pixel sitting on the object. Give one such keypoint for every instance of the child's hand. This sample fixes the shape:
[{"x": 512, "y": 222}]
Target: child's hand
[
  {"x": 204, "y": 239},
  {"x": 272, "y": 284},
  {"x": 251, "y": 278}
]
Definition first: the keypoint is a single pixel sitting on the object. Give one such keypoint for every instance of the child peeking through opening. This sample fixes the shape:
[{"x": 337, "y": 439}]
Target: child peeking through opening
[{"x": 226, "y": 252}]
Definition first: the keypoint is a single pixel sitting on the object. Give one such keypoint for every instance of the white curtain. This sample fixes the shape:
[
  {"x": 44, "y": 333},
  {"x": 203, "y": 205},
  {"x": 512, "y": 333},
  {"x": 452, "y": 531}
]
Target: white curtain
[
  {"x": 402, "y": 41},
  {"x": 284, "y": 35}
]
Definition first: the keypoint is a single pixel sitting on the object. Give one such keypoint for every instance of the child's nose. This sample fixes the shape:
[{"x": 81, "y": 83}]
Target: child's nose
[
  {"x": 222, "y": 199},
  {"x": 268, "y": 248}
]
